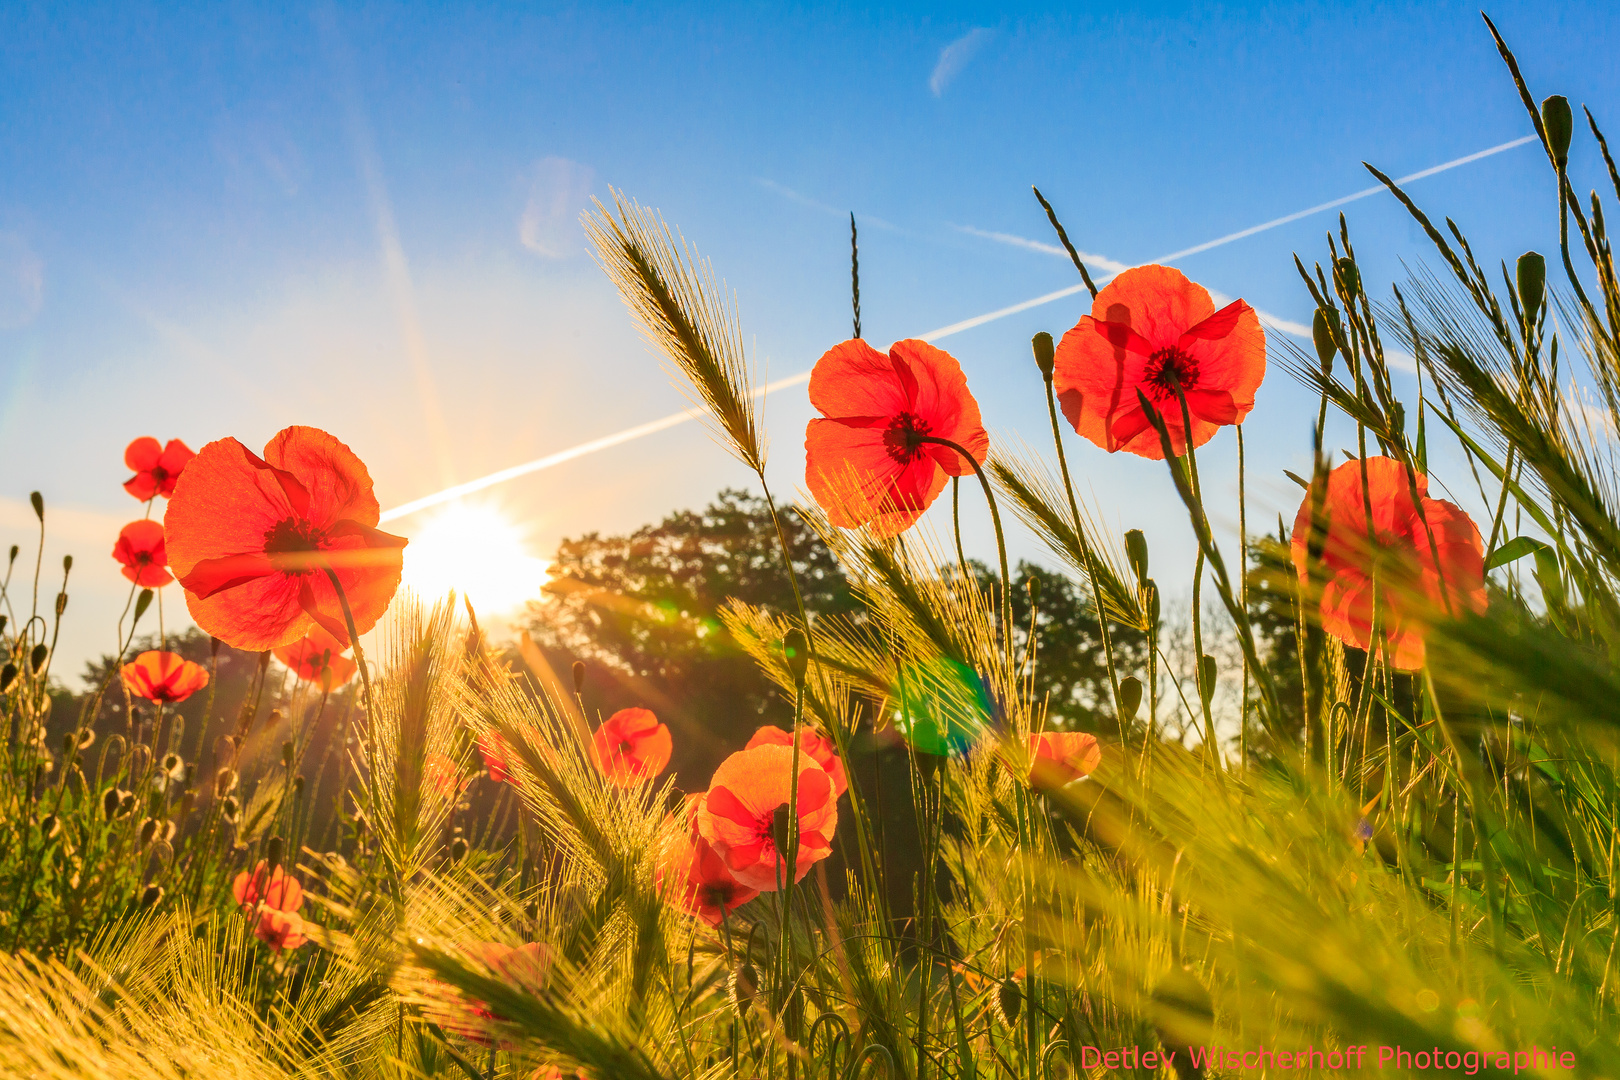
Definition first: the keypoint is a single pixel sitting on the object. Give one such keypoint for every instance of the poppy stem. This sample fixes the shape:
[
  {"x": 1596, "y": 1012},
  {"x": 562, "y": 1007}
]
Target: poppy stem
[
  {"x": 995, "y": 518},
  {"x": 956, "y": 521},
  {"x": 1090, "y": 561},
  {"x": 354, "y": 641}
]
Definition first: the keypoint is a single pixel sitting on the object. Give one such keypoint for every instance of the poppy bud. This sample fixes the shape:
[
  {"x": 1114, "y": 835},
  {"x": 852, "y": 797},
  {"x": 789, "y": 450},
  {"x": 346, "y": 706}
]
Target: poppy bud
[
  {"x": 224, "y": 781},
  {"x": 38, "y": 500},
  {"x": 8, "y": 675},
  {"x": 797, "y": 650},
  {"x": 1130, "y": 696},
  {"x": 68, "y": 742},
  {"x": 152, "y": 895},
  {"x": 171, "y": 764},
  {"x": 109, "y": 803},
  {"x": 287, "y": 753},
  {"x": 14, "y": 550},
  {"x": 1045, "y": 353},
  {"x": 142, "y": 602},
  {"x": 781, "y": 820},
  {"x": 61, "y": 603},
  {"x": 1559, "y": 123},
  {"x": 1532, "y": 285},
  {"x": 298, "y": 786},
  {"x": 229, "y": 808},
  {"x": 1322, "y": 334},
  {"x": 744, "y": 987},
  {"x": 1349, "y": 278},
  {"x": 36, "y": 657},
  {"x": 49, "y": 826},
  {"x": 579, "y": 676},
  {"x": 67, "y": 564},
  {"x": 127, "y": 803},
  {"x": 1136, "y": 551},
  {"x": 1206, "y": 678},
  {"x": 2, "y": 617},
  {"x": 1153, "y": 601},
  {"x": 458, "y": 849},
  {"x": 1009, "y": 1000},
  {"x": 273, "y": 853},
  {"x": 149, "y": 830},
  {"x": 1183, "y": 1016}
]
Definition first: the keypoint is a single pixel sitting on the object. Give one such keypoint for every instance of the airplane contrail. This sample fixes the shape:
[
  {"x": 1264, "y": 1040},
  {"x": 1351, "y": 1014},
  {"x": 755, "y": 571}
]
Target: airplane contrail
[{"x": 675, "y": 419}]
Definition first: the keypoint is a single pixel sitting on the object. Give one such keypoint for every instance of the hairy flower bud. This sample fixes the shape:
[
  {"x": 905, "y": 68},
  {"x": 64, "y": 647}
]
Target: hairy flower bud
[
  {"x": 1009, "y": 1000},
  {"x": 1045, "y": 354},
  {"x": 8, "y": 675},
  {"x": 151, "y": 895},
  {"x": 1559, "y": 123},
  {"x": 797, "y": 650},
  {"x": 1532, "y": 274},
  {"x": 579, "y": 676},
  {"x": 36, "y": 658},
  {"x": 224, "y": 781},
  {"x": 458, "y": 849}
]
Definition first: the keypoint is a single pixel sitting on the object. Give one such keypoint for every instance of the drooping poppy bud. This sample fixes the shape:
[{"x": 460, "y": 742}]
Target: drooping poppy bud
[
  {"x": 37, "y": 501},
  {"x": 1532, "y": 274},
  {"x": 579, "y": 676},
  {"x": 1130, "y": 696},
  {"x": 1136, "y": 550},
  {"x": 797, "y": 651},
  {"x": 1045, "y": 353},
  {"x": 36, "y": 658},
  {"x": 1349, "y": 278},
  {"x": 1322, "y": 334},
  {"x": 1009, "y": 1000},
  {"x": 8, "y": 675},
  {"x": 152, "y": 895},
  {"x": 1559, "y": 123}
]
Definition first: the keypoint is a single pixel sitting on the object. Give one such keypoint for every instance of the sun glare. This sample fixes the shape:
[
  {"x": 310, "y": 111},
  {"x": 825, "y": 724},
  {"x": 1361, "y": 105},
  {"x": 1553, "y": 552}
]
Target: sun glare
[{"x": 476, "y": 551}]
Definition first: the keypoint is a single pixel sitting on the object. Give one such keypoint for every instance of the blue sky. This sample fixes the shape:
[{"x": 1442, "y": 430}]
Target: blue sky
[{"x": 224, "y": 219}]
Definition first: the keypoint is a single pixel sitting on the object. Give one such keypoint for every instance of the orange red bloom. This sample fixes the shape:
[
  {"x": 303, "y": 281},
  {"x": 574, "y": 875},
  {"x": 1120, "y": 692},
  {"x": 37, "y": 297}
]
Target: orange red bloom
[
  {"x": 811, "y": 742},
  {"x": 279, "y": 890},
  {"x": 1059, "y": 757},
  {"x": 693, "y": 875},
  {"x": 864, "y": 458},
  {"x": 163, "y": 676},
  {"x": 1399, "y": 555},
  {"x": 318, "y": 657},
  {"x": 631, "y": 746},
  {"x": 156, "y": 467},
  {"x": 746, "y": 815},
  {"x": 280, "y": 929},
  {"x": 251, "y": 539},
  {"x": 140, "y": 549},
  {"x": 1151, "y": 330},
  {"x": 494, "y": 750}
]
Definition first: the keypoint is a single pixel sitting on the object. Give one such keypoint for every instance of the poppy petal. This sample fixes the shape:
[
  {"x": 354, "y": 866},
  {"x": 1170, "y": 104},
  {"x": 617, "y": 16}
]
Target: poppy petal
[
  {"x": 142, "y": 454},
  {"x": 212, "y": 576},
  {"x": 1218, "y": 325},
  {"x": 854, "y": 379},
  {"x": 338, "y": 482}
]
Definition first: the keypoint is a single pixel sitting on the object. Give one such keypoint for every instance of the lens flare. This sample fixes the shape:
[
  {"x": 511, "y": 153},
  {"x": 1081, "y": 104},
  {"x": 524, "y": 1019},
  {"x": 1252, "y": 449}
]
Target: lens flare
[{"x": 475, "y": 551}]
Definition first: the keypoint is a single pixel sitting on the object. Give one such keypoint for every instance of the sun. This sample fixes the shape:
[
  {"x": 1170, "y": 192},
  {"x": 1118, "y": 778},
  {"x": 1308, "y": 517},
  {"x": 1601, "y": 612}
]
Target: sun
[{"x": 477, "y": 552}]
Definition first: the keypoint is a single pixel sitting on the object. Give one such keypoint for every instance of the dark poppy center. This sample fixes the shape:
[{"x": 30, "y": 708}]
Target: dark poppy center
[
  {"x": 158, "y": 473},
  {"x": 1168, "y": 368},
  {"x": 290, "y": 538},
  {"x": 625, "y": 748},
  {"x": 901, "y": 438},
  {"x": 716, "y": 893}
]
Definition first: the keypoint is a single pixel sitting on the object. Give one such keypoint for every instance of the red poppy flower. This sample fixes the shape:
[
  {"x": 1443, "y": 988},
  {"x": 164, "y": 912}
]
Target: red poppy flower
[
  {"x": 441, "y": 775},
  {"x": 1399, "y": 555},
  {"x": 1062, "y": 756},
  {"x": 631, "y": 746},
  {"x": 812, "y": 742},
  {"x": 280, "y": 929},
  {"x": 318, "y": 657},
  {"x": 163, "y": 676},
  {"x": 156, "y": 467},
  {"x": 1150, "y": 329},
  {"x": 696, "y": 877},
  {"x": 864, "y": 462},
  {"x": 495, "y": 752},
  {"x": 745, "y": 815},
  {"x": 140, "y": 549},
  {"x": 281, "y": 891},
  {"x": 250, "y": 538}
]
